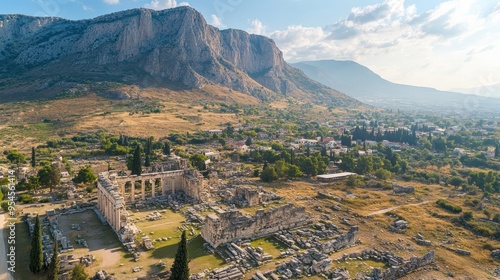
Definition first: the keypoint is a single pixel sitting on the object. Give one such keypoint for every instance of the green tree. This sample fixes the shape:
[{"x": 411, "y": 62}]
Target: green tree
[
  {"x": 33, "y": 182},
  {"x": 347, "y": 163},
  {"x": 198, "y": 161},
  {"x": 167, "y": 148},
  {"x": 149, "y": 144},
  {"x": 180, "y": 267},
  {"x": 383, "y": 174},
  {"x": 85, "y": 175},
  {"x": 281, "y": 168},
  {"x": 36, "y": 254},
  {"x": 455, "y": 181},
  {"x": 33, "y": 157},
  {"x": 248, "y": 142},
  {"x": 49, "y": 176},
  {"x": 147, "y": 162},
  {"x": 53, "y": 269},
  {"x": 293, "y": 171},
  {"x": 269, "y": 174},
  {"x": 136, "y": 162},
  {"x": 308, "y": 167},
  {"x": 15, "y": 157},
  {"x": 5, "y": 206},
  {"x": 79, "y": 273},
  {"x": 364, "y": 165}
]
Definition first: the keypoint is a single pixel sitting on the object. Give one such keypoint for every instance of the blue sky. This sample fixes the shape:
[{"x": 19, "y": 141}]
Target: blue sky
[{"x": 443, "y": 44}]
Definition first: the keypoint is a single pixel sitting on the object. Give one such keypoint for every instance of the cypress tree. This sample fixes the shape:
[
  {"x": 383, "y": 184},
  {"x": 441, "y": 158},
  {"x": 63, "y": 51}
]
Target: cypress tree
[
  {"x": 147, "y": 163},
  {"x": 136, "y": 161},
  {"x": 180, "y": 268},
  {"x": 53, "y": 273},
  {"x": 149, "y": 144},
  {"x": 36, "y": 254},
  {"x": 166, "y": 148},
  {"x": 33, "y": 157}
]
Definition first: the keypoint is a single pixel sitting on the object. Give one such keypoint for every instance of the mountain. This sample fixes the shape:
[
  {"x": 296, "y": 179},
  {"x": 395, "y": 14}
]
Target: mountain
[
  {"x": 173, "y": 48},
  {"x": 486, "y": 90},
  {"x": 363, "y": 84}
]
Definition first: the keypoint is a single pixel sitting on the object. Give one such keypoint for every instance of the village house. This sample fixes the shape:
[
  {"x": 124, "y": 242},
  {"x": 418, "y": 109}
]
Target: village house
[
  {"x": 306, "y": 142},
  {"x": 263, "y": 135},
  {"x": 490, "y": 153},
  {"x": 214, "y": 131},
  {"x": 64, "y": 173}
]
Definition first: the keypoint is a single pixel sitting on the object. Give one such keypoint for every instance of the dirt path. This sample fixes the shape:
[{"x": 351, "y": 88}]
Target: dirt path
[
  {"x": 4, "y": 273},
  {"x": 395, "y": 207}
]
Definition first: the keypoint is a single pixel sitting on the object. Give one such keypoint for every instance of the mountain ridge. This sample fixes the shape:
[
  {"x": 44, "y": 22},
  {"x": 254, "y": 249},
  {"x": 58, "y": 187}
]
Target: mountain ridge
[
  {"x": 360, "y": 82},
  {"x": 150, "y": 48}
]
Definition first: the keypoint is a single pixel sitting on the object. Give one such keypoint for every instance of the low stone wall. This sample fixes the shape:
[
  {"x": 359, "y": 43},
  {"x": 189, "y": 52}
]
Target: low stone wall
[{"x": 406, "y": 268}]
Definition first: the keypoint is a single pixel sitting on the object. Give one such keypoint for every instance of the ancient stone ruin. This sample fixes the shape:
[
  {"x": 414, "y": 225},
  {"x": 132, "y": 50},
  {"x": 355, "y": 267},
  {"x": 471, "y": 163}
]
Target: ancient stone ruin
[
  {"x": 226, "y": 226},
  {"x": 246, "y": 196},
  {"x": 343, "y": 241},
  {"x": 401, "y": 270}
]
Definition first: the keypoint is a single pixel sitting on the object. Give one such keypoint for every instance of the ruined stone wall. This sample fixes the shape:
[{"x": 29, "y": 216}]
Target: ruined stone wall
[
  {"x": 343, "y": 241},
  {"x": 193, "y": 184},
  {"x": 232, "y": 225},
  {"x": 247, "y": 194},
  {"x": 406, "y": 268}
]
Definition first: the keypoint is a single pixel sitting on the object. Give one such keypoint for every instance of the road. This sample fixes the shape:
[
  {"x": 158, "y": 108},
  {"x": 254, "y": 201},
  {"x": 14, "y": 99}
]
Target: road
[
  {"x": 4, "y": 273},
  {"x": 394, "y": 208}
]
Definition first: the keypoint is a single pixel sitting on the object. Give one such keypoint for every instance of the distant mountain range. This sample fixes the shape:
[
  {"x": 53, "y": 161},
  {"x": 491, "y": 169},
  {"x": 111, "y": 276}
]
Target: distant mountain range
[
  {"x": 363, "y": 84},
  {"x": 486, "y": 90},
  {"x": 173, "y": 48}
]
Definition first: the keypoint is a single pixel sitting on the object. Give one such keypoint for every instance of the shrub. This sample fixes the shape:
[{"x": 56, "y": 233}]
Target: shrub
[
  {"x": 383, "y": 174},
  {"x": 25, "y": 198},
  {"x": 450, "y": 207},
  {"x": 467, "y": 216}
]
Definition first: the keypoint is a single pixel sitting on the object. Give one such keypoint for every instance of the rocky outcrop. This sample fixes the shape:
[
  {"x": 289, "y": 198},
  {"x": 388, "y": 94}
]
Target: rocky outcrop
[{"x": 151, "y": 48}]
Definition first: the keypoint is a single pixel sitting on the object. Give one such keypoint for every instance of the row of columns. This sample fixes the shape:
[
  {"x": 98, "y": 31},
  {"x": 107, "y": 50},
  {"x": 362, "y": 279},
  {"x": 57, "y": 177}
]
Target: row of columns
[
  {"x": 110, "y": 205},
  {"x": 163, "y": 184}
]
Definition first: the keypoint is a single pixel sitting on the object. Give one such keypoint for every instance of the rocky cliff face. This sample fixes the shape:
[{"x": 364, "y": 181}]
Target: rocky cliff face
[{"x": 146, "y": 47}]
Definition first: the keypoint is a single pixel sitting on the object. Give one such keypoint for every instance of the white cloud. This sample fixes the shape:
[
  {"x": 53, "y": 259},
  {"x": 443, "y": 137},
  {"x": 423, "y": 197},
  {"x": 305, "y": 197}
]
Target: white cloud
[
  {"x": 111, "y": 2},
  {"x": 164, "y": 4},
  {"x": 257, "y": 27},
  {"x": 452, "y": 45},
  {"x": 217, "y": 22},
  {"x": 87, "y": 8}
]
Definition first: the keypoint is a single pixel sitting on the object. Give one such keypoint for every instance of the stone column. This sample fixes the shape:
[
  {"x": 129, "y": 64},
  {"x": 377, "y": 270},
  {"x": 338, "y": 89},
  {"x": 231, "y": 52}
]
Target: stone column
[
  {"x": 132, "y": 194},
  {"x": 115, "y": 223},
  {"x": 162, "y": 183},
  {"x": 122, "y": 189},
  {"x": 119, "y": 222},
  {"x": 99, "y": 199},
  {"x": 153, "y": 186},
  {"x": 143, "y": 189}
]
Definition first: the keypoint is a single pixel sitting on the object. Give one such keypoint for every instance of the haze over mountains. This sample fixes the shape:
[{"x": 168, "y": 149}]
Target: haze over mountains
[
  {"x": 363, "y": 84},
  {"x": 174, "y": 48},
  {"x": 488, "y": 90}
]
